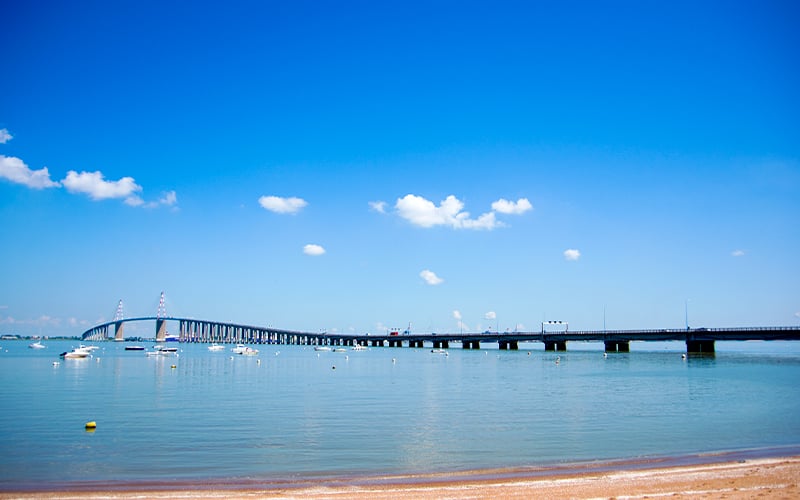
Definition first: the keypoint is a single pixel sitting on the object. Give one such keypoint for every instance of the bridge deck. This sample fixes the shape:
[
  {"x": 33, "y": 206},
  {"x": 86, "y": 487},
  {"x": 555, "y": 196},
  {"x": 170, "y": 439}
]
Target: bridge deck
[{"x": 194, "y": 330}]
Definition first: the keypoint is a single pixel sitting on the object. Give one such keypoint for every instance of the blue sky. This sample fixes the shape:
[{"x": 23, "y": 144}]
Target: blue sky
[{"x": 356, "y": 166}]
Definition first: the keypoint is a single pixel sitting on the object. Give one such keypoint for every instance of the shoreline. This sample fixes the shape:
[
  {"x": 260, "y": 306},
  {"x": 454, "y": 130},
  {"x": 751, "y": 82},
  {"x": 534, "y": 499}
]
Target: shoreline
[{"x": 699, "y": 476}]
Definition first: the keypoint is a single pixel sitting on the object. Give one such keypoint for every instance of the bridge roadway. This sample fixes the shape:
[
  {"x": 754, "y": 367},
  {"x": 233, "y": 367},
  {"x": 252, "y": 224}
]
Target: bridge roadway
[{"x": 698, "y": 340}]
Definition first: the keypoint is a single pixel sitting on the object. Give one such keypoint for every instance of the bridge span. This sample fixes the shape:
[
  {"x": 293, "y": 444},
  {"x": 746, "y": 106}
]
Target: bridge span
[{"x": 698, "y": 340}]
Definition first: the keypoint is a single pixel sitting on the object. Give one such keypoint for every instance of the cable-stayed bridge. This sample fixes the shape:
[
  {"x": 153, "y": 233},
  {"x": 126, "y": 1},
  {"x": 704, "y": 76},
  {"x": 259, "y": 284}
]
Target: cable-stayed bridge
[{"x": 698, "y": 340}]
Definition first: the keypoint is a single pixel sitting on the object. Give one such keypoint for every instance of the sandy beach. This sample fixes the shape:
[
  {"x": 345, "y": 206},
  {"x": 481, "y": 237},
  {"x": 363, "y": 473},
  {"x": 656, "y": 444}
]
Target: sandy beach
[{"x": 756, "y": 478}]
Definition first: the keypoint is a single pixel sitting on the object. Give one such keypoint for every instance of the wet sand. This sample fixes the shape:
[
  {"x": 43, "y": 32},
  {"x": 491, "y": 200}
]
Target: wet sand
[{"x": 765, "y": 478}]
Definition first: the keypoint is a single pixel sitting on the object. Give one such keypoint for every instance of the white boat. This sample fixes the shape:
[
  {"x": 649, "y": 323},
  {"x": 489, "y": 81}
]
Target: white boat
[
  {"x": 358, "y": 347},
  {"x": 134, "y": 348},
  {"x": 439, "y": 351},
  {"x": 340, "y": 349},
  {"x": 37, "y": 345},
  {"x": 165, "y": 349},
  {"x": 322, "y": 348},
  {"x": 216, "y": 347},
  {"x": 239, "y": 349},
  {"x": 249, "y": 351},
  {"x": 77, "y": 353},
  {"x": 88, "y": 348}
]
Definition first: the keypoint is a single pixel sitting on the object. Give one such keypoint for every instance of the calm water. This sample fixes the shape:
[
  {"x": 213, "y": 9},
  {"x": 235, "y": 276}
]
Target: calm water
[{"x": 380, "y": 411}]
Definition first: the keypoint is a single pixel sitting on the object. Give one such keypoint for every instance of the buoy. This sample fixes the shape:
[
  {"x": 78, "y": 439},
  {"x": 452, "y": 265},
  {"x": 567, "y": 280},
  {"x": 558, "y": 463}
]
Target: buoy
[
  {"x": 173, "y": 366},
  {"x": 333, "y": 367},
  {"x": 91, "y": 425}
]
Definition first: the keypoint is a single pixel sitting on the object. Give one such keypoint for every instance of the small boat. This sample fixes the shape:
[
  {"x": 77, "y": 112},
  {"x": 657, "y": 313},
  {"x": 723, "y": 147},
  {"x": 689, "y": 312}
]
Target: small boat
[
  {"x": 249, "y": 351},
  {"x": 358, "y": 347},
  {"x": 439, "y": 351},
  {"x": 134, "y": 348},
  {"x": 165, "y": 349},
  {"x": 37, "y": 345},
  {"x": 322, "y": 348},
  {"x": 340, "y": 349},
  {"x": 88, "y": 348},
  {"x": 77, "y": 353},
  {"x": 216, "y": 347},
  {"x": 239, "y": 349}
]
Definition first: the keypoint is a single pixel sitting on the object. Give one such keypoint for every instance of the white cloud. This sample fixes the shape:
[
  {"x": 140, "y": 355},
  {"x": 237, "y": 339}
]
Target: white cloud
[
  {"x": 15, "y": 170},
  {"x": 430, "y": 277},
  {"x": 280, "y": 205},
  {"x": 169, "y": 199},
  {"x": 5, "y": 136},
  {"x": 312, "y": 249},
  {"x": 97, "y": 188},
  {"x": 509, "y": 207},
  {"x": 424, "y": 213},
  {"x": 738, "y": 253},
  {"x": 459, "y": 323},
  {"x": 572, "y": 254},
  {"x": 490, "y": 315},
  {"x": 378, "y": 206}
]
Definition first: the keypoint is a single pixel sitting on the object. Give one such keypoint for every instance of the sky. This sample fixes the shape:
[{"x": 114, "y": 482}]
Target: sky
[{"x": 361, "y": 166}]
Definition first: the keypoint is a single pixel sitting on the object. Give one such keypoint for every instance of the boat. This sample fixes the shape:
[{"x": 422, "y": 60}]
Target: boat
[
  {"x": 171, "y": 338},
  {"x": 239, "y": 349},
  {"x": 340, "y": 349},
  {"x": 77, "y": 353},
  {"x": 358, "y": 347},
  {"x": 134, "y": 348},
  {"x": 165, "y": 349},
  {"x": 216, "y": 347},
  {"x": 88, "y": 348},
  {"x": 439, "y": 351},
  {"x": 249, "y": 351},
  {"x": 37, "y": 345},
  {"x": 322, "y": 348}
]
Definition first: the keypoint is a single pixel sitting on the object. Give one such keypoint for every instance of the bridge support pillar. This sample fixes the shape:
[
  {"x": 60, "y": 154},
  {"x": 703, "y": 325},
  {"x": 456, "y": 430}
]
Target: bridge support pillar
[
  {"x": 441, "y": 344},
  {"x": 560, "y": 345},
  {"x": 508, "y": 345},
  {"x": 474, "y": 344},
  {"x": 700, "y": 346},
  {"x": 617, "y": 346},
  {"x": 119, "y": 336}
]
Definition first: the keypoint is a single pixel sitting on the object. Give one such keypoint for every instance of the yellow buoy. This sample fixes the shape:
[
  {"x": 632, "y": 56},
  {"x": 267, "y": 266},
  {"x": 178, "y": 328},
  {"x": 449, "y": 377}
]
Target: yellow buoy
[
  {"x": 173, "y": 366},
  {"x": 91, "y": 425}
]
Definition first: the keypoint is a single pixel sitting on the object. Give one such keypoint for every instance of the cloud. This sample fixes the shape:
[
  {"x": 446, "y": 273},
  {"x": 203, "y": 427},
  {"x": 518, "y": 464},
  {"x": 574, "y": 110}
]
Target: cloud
[
  {"x": 15, "y": 170},
  {"x": 430, "y": 277},
  {"x": 459, "y": 323},
  {"x": 509, "y": 207},
  {"x": 96, "y": 187},
  {"x": 490, "y": 315},
  {"x": 378, "y": 206},
  {"x": 425, "y": 213},
  {"x": 572, "y": 254},
  {"x": 314, "y": 250},
  {"x": 280, "y": 205},
  {"x": 738, "y": 253},
  {"x": 5, "y": 136}
]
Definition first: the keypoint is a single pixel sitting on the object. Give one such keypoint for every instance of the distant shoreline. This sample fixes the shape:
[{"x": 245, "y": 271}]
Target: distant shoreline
[{"x": 737, "y": 474}]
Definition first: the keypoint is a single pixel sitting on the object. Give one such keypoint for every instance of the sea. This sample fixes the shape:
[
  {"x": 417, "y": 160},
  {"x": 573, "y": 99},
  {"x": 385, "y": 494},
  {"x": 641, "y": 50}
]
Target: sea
[{"x": 295, "y": 414}]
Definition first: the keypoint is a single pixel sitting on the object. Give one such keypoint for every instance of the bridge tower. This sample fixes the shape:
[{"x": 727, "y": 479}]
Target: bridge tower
[
  {"x": 161, "y": 321},
  {"x": 118, "y": 323}
]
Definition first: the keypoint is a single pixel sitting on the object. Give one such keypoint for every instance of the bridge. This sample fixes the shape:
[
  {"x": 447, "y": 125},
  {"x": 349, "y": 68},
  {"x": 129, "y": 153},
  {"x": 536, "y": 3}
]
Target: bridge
[{"x": 698, "y": 340}]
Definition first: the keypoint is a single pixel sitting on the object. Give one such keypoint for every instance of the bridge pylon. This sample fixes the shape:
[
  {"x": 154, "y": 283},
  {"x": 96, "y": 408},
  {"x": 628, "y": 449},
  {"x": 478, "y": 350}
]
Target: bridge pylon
[
  {"x": 161, "y": 322},
  {"x": 119, "y": 336}
]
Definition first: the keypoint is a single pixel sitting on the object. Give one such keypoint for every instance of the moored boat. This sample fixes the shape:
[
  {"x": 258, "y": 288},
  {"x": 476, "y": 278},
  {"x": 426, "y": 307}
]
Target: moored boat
[
  {"x": 37, "y": 345},
  {"x": 216, "y": 347},
  {"x": 77, "y": 353}
]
